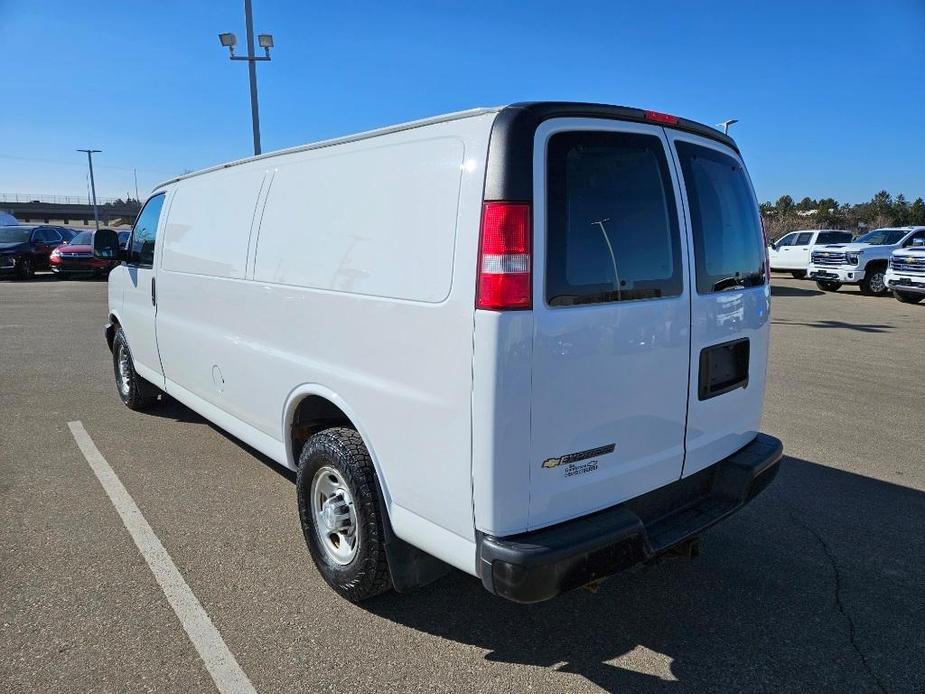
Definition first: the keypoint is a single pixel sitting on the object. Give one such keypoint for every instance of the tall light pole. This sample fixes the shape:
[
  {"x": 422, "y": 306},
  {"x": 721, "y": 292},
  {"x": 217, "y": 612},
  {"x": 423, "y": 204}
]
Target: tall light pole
[
  {"x": 90, "y": 153},
  {"x": 229, "y": 41}
]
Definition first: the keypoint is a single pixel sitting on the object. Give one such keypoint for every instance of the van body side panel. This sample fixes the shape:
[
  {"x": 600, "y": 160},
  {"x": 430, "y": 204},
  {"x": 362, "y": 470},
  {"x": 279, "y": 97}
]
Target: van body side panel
[
  {"x": 202, "y": 314},
  {"x": 719, "y": 425},
  {"x": 501, "y": 420},
  {"x": 357, "y": 288},
  {"x": 378, "y": 218}
]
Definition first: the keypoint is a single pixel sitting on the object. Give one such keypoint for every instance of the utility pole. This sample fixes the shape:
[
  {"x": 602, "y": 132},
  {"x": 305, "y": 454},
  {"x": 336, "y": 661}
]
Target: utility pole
[
  {"x": 135, "y": 173},
  {"x": 229, "y": 41},
  {"x": 90, "y": 153}
]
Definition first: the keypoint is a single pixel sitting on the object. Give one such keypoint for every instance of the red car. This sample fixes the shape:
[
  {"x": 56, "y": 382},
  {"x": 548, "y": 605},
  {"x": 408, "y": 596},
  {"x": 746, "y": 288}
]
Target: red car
[{"x": 76, "y": 258}]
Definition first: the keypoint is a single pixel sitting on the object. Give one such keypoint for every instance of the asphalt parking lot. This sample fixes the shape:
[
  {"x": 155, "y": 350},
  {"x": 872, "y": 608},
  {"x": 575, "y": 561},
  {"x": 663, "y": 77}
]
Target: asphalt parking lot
[{"x": 819, "y": 585}]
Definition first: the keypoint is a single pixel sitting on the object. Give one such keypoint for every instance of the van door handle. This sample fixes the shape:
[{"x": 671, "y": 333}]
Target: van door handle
[{"x": 153, "y": 293}]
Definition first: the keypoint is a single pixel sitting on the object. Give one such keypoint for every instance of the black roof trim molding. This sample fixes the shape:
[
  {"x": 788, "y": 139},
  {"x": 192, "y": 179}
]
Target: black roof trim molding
[{"x": 509, "y": 175}]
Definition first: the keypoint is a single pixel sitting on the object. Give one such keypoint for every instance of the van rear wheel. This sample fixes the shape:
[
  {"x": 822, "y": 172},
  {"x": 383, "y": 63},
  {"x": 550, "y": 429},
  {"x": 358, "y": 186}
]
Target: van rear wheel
[
  {"x": 134, "y": 391},
  {"x": 339, "y": 510},
  {"x": 829, "y": 286}
]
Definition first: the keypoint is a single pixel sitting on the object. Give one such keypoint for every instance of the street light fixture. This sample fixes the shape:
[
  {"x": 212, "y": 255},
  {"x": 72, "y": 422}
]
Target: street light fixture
[{"x": 229, "y": 41}]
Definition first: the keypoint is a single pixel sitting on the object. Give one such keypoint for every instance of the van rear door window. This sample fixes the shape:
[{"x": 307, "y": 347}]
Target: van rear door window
[
  {"x": 612, "y": 225},
  {"x": 728, "y": 242}
]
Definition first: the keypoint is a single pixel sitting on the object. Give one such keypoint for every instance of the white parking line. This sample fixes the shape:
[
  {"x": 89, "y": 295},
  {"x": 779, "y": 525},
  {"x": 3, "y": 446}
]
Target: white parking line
[{"x": 228, "y": 676}]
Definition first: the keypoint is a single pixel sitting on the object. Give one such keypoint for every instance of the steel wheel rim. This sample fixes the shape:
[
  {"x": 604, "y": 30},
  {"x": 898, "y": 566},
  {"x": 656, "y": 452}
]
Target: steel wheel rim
[
  {"x": 876, "y": 282},
  {"x": 125, "y": 371},
  {"x": 334, "y": 516}
]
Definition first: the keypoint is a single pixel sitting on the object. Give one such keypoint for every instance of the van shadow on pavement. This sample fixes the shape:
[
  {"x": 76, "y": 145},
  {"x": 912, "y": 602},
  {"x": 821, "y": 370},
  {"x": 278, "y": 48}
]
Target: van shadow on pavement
[
  {"x": 816, "y": 586},
  {"x": 784, "y": 290}
]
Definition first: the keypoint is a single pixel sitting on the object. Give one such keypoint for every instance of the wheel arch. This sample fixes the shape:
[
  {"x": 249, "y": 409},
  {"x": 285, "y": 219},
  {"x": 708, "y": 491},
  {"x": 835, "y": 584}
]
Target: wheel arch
[
  {"x": 312, "y": 407},
  {"x": 111, "y": 327}
]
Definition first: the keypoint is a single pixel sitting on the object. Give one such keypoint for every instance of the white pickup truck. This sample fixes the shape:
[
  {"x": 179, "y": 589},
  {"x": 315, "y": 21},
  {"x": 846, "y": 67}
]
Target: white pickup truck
[
  {"x": 863, "y": 262},
  {"x": 906, "y": 273},
  {"x": 790, "y": 253}
]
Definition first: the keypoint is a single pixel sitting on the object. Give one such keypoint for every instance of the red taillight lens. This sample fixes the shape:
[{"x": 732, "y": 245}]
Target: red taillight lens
[
  {"x": 663, "y": 118},
  {"x": 504, "y": 257}
]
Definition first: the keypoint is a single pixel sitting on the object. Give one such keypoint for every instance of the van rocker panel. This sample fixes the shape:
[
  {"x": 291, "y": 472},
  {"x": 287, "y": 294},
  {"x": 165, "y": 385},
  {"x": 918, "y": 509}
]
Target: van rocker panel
[{"x": 538, "y": 565}]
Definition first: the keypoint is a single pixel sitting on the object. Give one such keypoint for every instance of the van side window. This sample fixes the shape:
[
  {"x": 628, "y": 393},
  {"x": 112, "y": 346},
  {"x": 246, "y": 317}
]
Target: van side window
[
  {"x": 612, "y": 224},
  {"x": 144, "y": 234},
  {"x": 728, "y": 246}
]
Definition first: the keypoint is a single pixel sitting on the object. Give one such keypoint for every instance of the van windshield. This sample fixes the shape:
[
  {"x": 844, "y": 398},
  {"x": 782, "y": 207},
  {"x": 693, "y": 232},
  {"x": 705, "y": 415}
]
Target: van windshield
[
  {"x": 612, "y": 224},
  {"x": 728, "y": 242}
]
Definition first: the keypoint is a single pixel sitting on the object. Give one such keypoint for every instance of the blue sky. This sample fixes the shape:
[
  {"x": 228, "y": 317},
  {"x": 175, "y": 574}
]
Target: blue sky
[{"x": 830, "y": 95}]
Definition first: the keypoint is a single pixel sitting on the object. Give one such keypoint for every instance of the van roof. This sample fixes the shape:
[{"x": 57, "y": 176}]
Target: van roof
[
  {"x": 457, "y": 115},
  {"x": 518, "y": 114}
]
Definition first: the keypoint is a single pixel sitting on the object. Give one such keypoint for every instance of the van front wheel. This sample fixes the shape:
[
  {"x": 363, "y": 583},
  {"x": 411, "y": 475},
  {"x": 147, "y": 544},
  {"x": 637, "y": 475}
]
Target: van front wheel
[
  {"x": 340, "y": 514},
  {"x": 135, "y": 392}
]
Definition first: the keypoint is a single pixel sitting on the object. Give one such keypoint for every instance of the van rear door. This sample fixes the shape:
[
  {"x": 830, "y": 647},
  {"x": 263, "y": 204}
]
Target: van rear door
[
  {"x": 611, "y": 309},
  {"x": 729, "y": 300}
]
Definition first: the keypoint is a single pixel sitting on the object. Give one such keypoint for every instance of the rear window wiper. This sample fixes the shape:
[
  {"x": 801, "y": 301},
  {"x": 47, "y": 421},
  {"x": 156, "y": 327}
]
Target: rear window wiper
[
  {"x": 728, "y": 283},
  {"x": 752, "y": 279}
]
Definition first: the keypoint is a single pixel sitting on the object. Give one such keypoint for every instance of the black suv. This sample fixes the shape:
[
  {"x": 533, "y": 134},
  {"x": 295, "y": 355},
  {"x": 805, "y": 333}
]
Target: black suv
[{"x": 25, "y": 248}]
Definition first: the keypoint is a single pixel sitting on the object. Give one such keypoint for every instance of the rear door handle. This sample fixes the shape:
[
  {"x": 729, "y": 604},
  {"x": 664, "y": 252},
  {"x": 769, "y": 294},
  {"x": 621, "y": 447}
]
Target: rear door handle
[{"x": 153, "y": 293}]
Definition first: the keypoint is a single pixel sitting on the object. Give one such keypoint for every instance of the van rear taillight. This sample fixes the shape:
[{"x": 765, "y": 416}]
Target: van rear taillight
[{"x": 504, "y": 280}]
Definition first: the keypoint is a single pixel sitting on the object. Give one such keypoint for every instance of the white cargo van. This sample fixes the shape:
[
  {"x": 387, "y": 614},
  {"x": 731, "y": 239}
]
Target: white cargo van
[{"x": 528, "y": 342}]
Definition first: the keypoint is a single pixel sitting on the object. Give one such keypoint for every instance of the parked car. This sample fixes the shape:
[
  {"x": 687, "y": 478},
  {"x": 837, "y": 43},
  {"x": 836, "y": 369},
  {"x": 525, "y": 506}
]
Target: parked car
[
  {"x": 790, "y": 253},
  {"x": 76, "y": 258},
  {"x": 862, "y": 262},
  {"x": 905, "y": 275},
  {"x": 25, "y": 248},
  {"x": 539, "y": 380}
]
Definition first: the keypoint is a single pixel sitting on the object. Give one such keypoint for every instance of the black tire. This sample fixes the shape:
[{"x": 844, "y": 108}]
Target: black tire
[
  {"x": 828, "y": 286},
  {"x": 874, "y": 282},
  {"x": 367, "y": 573},
  {"x": 799, "y": 274},
  {"x": 26, "y": 269},
  {"x": 908, "y": 297},
  {"x": 135, "y": 392}
]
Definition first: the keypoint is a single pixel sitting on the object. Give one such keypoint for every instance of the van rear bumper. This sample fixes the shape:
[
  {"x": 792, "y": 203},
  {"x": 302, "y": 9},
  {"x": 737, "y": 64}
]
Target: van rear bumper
[{"x": 538, "y": 565}]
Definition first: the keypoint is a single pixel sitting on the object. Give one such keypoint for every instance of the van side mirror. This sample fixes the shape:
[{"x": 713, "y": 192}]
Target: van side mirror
[
  {"x": 106, "y": 244},
  {"x": 918, "y": 243}
]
